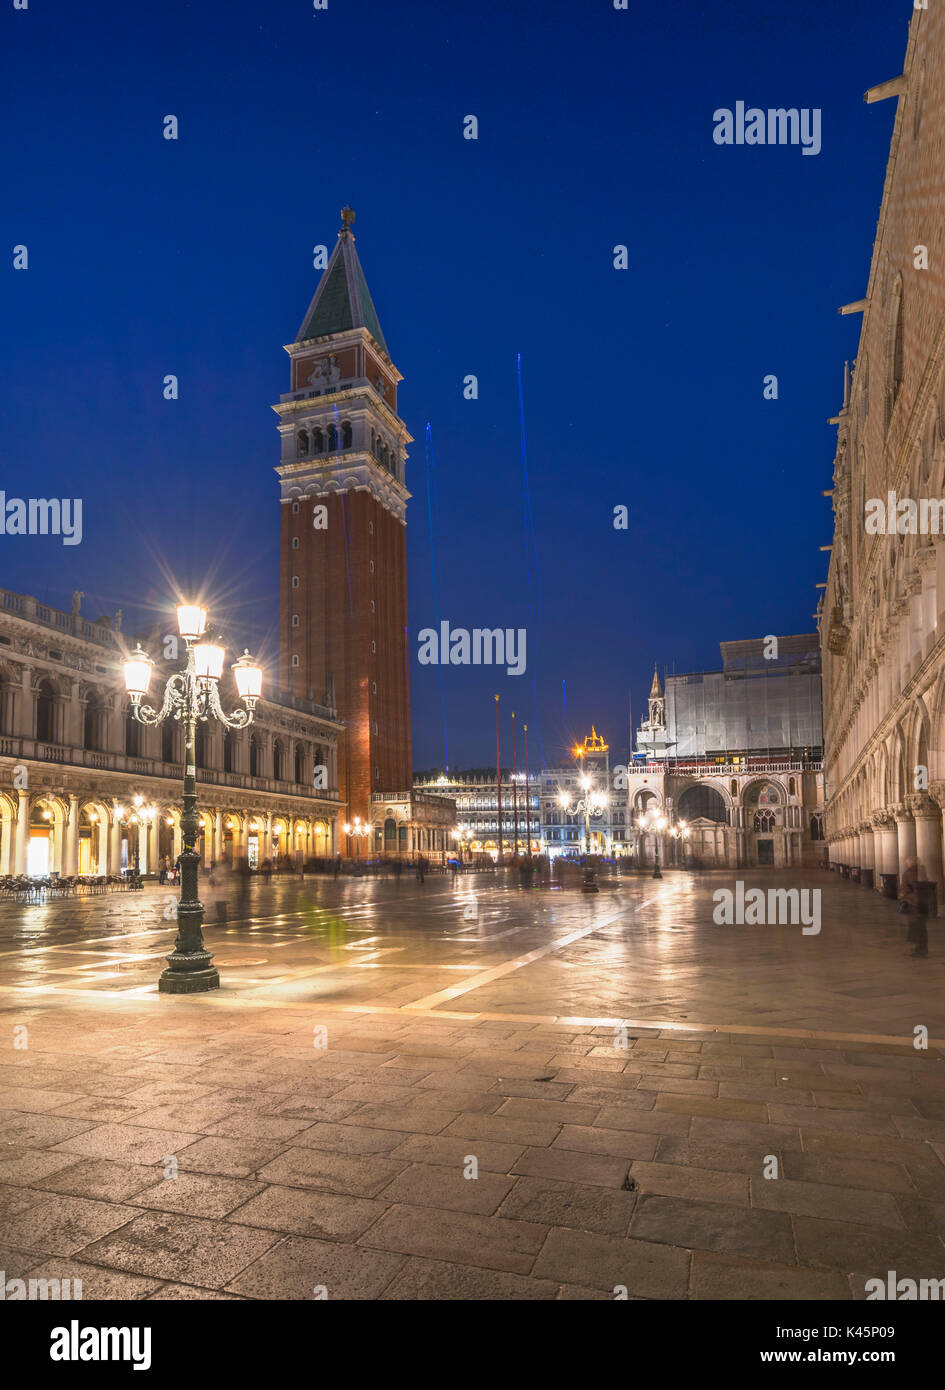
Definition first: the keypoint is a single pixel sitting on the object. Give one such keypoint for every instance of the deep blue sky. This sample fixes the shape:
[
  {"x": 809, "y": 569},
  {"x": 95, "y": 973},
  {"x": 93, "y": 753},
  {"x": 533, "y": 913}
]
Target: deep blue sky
[{"x": 641, "y": 387}]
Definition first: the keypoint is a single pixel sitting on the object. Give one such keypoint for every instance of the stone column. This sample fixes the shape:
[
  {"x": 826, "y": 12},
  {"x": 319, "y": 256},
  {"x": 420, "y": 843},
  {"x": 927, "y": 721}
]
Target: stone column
[
  {"x": 905, "y": 834},
  {"x": 114, "y": 845},
  {"x": 867, "y": 855},
  {"x": 22, "y": 831},
  {"x": 70, "y": 854},
  {"x": 887, "y": 845},
  {"x": 928, "y": 838},
  {"x": 154, "y": 843},
  {"x": 267, "y": 837},
  {"x": 216, "y": 839}
]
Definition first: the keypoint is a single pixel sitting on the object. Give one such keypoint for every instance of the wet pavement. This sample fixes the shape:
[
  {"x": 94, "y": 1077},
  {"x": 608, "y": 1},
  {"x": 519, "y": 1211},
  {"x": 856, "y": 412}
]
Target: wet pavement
[{"x": 472, "y": 1090}]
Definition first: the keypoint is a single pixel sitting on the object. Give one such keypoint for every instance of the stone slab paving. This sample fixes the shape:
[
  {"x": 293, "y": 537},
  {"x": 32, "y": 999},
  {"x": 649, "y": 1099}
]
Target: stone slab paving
[{"x": 388, "y": 1101}]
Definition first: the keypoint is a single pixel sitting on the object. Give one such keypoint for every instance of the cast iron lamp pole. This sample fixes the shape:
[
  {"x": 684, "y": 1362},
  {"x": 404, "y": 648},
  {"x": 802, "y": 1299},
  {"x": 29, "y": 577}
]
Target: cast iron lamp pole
[
  {"x": 592, "y": 803},
  {"x": 191, "y": 695},
  {"x": 654, "y": 821}
]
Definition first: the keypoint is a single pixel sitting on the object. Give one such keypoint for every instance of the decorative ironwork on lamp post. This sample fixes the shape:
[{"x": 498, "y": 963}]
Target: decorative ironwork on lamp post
[
  {"x": 357, "y": 832},
  {"x": 191, "y": 696},
  {"x": 592, "y": 803},
  {"x": 654, "y": 821}
]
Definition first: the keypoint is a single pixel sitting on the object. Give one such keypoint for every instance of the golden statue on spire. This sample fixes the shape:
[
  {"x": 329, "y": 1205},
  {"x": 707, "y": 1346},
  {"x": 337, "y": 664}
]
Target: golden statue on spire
[{"x": 347, "y": 217}]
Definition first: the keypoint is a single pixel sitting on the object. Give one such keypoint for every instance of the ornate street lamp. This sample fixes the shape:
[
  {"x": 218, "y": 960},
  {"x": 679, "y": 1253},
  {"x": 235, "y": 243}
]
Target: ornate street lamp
[
  {"x": 682, "y": 832},
  {"x": 358, "y": 832},
  {"x": 191, "y": 695},
  {"x": 653, "y": 820},
  {"x": 592, "y": 803}
]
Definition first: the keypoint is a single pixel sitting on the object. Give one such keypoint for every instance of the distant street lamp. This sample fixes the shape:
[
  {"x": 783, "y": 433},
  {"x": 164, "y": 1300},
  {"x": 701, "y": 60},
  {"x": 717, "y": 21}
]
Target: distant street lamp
[
  {"x": 357, "y": 832},
  {"x": 191, "y": 695},
  {"x": 592, "y": 803},
  {"x": 682, "y": 832},
  {"x": 653, "y": 821}
]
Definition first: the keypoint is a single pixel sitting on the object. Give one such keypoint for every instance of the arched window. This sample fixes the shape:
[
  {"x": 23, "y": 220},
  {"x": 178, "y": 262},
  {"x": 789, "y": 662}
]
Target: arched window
[
  {"x": 390, "y": 833},
  {"x": 229, "y": 751},
  {"x": 733, "y": 786},
  {"x": 318, "y": 442},
  {"x": 278, "y": 761},
  {"x": 702, "y": 802},
  {"x": 816, "y": 828},
  {"x": 763, "y": 822},
  {"x": 299, "y": 763},
  {"x": 301, "y": 443},
  {"x": 167, "y": 741},
  {"x": 894, "y": 350},
  {"x": 346, "y": 435},
  {"x": 92, "y": 723},
  {"x": 332, "y": 439},
  {"x": 792, "y": 786},
  {"x": 132, "y": 736},
  {"x": 45, "y": 712},
  {"x": 253, "y": 756}
]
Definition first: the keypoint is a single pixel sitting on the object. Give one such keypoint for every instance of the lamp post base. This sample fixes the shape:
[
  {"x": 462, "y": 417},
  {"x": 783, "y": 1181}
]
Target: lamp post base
[
  {"x": 657, "y": 873},
  {"x": 192, "y": 973},
  {"x": 590, "y": 879}
]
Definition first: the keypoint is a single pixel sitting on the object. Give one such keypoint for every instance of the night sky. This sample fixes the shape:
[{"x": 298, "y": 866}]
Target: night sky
[{"x": 641, "y": 387}]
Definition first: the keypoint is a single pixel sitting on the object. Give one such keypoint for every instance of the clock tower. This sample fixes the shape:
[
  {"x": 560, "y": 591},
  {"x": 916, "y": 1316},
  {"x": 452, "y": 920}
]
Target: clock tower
[{"x": 343, "y": 583}]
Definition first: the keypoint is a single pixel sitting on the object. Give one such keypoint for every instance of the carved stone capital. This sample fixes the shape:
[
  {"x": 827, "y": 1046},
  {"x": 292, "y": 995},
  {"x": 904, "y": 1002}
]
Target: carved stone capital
[
  {"x": 901, "y": 813},
  {"x": 921, "y": 805},
  {"x": 881, "y": 819},
  {"x": 937, "y": 792}
]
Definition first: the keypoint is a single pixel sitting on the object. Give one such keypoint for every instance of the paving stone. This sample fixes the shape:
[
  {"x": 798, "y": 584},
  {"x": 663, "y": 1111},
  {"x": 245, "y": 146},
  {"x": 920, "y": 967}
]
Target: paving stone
[
  {"x": 197, "y": 1194},
  {"x": 872, "y": 1174},
  {"x": 655, "y": 1121},
  {"x": 585, "y": 1208},
  {"x": 127, "y": 1142},
  {"x": 554, "y": 1111},
  {"x": 31, "y": 1167},
  {"x": 645, "y": 1269},
  {"x": 297, "y": 1266},
  {"x": 616, "y": 1143},
  {"x": 713, "y": 1226},
  {"x": 698, "y": 1184},
  {"x": 62, "y": 1225},
  {"x": 722, "y": 1277},
  {"x": 96, "y": 1283},
  {"x": 447, "y": 1150},
  {"x": 431, "y": 1280},
  {"x": 324, "y": 1215},
  {"x": 536, "y": 1133},
  {"x": 230, "y": 1158},
  {"x": 748, "y": 1159},
  {"x": 821, "y": 1199},
  {"x": 844, "y": 1246},
  {"x": 350, "y": 1138},
  {"x": 349, "y": 1175},
  {"x": 185, "y": 1248},
  {"x": 486, "y": 1242},
  {"x": 432, "y": 1185},
  {"x": 101, "y": 1180},
  {"x": 816, "y": 1117}
]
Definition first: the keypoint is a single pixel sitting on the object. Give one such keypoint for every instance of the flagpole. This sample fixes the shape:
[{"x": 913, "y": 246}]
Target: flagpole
[{"x": 498, "y": 778}]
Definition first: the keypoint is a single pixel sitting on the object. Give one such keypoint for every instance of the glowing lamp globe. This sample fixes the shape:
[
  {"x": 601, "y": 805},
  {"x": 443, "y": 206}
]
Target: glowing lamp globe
[
  {"x": 138, "y": 673},
  {"x": 248, "y": 677},
  {"x": 208, "y": 660},
  {"x": 191, "y": 620}
]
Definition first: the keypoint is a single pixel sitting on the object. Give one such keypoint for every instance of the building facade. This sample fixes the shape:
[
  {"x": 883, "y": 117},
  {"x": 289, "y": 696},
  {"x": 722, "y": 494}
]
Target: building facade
[
  {"x": 882, "y": 612},
  {"x": 84, "y": 787},
  {"x": 737, "y": 771},
  {"x": 343, "y": 605}
]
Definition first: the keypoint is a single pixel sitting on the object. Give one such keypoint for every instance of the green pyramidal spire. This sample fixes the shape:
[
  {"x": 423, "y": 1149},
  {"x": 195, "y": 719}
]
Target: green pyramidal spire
[{"x": 342, "y": 300}]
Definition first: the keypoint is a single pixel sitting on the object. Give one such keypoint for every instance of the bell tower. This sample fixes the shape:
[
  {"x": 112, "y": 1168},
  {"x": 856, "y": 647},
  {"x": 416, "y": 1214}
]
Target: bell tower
[{"x": 343, "y": 582}]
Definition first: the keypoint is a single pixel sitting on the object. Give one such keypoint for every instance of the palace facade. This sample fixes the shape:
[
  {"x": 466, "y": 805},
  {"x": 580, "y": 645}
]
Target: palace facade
[
  {"x": 882, "y": 613},
  {"x": 84, "y": 787}
]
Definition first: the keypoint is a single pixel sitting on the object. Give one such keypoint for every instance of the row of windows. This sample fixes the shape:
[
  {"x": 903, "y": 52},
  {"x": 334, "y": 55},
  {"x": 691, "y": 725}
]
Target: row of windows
[{"x": 318, "y": 441}]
